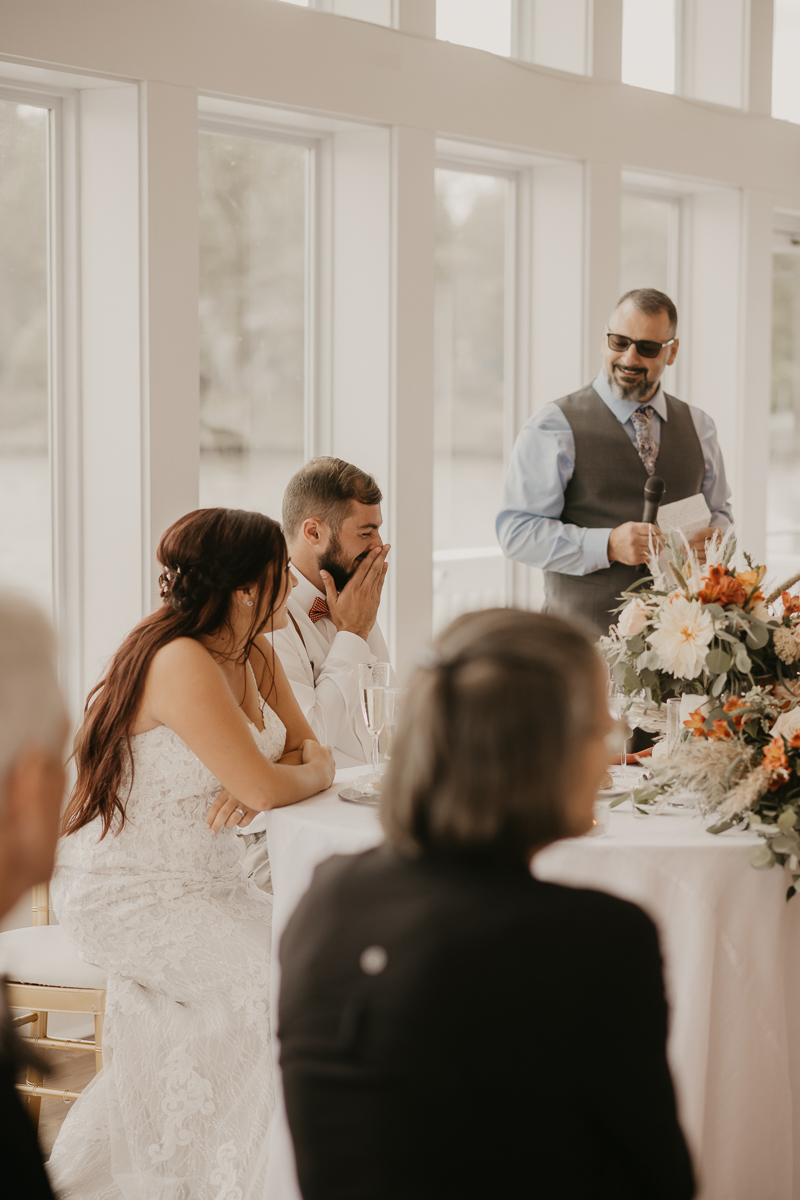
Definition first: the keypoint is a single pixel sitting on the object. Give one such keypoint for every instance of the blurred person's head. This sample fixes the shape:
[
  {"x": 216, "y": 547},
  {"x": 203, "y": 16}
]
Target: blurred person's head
[
  {"x": 650, "y": 318},
  {"x": 226, "y": 580},
  {"x": 33, "y": 731},
  {"x": 501, "y": 743},
  {"x": 331, "y": 518}
]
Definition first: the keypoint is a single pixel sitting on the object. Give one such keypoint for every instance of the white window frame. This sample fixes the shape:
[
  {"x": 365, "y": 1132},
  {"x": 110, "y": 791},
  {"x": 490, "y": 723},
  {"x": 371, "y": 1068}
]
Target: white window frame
[
  {"x": 62, "y": 371},
  {"x": 511, "y": 333}
]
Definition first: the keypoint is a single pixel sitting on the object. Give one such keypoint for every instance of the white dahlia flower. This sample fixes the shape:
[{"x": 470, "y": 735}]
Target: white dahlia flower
[{"x": 682, "y": 636}]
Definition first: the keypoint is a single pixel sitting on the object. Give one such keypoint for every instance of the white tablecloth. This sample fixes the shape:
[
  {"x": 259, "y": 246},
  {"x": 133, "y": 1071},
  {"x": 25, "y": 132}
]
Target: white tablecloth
[{"x": 731, "y": 949}]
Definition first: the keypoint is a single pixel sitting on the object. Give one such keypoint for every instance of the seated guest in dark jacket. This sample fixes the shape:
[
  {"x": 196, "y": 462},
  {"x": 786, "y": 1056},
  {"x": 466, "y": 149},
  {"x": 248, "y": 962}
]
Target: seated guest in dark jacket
[
  {"x": 33, "y": 729},
  {"x": 451, "y": 1027}
]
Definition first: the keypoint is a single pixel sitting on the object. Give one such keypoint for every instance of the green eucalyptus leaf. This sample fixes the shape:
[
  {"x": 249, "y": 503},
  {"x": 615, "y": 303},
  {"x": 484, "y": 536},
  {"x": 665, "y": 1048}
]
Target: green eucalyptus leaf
[
  {"x": 714, "y": 610},
  {"x": 757, "y": 634},
  {"x": 721, "y": 826},
  {"x": 636, "y": 644},
  {"x": 787, "y": 820},
  {"x": 719, "y": 684},
  {"x": 742, "y": 659},
  {"x": 785, "y": 844},
  {"x": 718, "y": 660},
  {"x": 761, "y": 857}
]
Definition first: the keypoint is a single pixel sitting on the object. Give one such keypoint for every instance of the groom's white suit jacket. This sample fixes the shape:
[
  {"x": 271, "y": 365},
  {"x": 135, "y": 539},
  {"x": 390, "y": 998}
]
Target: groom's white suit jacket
[{"x": 323, "y": 670}]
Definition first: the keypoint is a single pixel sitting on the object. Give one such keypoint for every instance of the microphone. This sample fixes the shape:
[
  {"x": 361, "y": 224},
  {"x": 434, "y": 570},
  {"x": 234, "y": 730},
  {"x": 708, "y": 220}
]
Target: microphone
[{"x": 653, "y": 494}]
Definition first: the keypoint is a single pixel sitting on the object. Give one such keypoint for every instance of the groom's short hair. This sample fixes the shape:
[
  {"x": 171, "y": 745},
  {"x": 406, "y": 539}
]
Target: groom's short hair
[{"x": 325, "y": 488}]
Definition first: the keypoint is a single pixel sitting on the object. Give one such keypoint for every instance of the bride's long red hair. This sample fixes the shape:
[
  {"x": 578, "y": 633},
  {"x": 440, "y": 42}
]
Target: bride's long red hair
[{"x": 206, "y": 555}]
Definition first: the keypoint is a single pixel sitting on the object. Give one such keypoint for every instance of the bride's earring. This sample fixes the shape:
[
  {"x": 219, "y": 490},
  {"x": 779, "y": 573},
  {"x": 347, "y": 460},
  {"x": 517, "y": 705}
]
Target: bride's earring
[{"x": 249, "y": 603}]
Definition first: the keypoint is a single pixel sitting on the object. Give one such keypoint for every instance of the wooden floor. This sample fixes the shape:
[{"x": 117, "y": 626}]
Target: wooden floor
[{"x": 65, "y": 1069}]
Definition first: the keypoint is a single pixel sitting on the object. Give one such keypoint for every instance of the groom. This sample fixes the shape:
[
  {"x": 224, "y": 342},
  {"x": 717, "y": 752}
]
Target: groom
[{"x": 332, "y": 520}]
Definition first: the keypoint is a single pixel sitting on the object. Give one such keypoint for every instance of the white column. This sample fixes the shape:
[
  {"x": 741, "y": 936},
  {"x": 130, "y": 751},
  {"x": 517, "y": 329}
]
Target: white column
[
  {"x": 411, "y": 474},
  {"x": 759, "y": 89},
  {"x": 606, "y": 39},
  {"x": 139, "y": 360},
  {"x": 603, "y": 205},
  {"x": 111, "y": 372},
  {"x": 752, "y": 434},
  {"x": 417, "y": 17},
  {"x": 170, "y": 355},
  {"x": 712, "y": 325}
]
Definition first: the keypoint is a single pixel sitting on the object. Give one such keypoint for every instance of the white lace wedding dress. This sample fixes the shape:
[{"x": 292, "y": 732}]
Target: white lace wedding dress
[{"x": 181, "y": 1108}]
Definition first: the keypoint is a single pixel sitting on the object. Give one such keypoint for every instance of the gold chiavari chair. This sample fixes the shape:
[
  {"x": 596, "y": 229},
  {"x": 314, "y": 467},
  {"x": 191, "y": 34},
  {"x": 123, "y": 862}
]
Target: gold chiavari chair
[{"x": 45, "y": 975}]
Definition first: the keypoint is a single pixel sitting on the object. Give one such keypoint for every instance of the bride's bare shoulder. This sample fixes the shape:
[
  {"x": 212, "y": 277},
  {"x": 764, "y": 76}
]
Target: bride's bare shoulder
[{"x": 183, "y": 654}]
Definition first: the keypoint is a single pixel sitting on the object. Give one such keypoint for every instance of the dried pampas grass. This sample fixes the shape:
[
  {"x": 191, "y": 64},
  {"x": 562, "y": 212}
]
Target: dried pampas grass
[{"x": 716, "y": 770}]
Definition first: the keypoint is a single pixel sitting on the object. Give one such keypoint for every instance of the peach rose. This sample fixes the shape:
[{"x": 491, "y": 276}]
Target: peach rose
[{"x": 633, "y": 618}]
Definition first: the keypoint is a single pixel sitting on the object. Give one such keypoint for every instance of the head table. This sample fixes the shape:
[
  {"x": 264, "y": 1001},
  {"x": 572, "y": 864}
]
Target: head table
[{"x": 731, "y": 948}]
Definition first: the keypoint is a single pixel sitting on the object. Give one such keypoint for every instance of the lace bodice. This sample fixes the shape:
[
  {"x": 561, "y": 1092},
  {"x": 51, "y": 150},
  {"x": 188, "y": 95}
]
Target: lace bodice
[
  {"x": 181, "y": 1108},
  {"x": 165, "y": 827}
]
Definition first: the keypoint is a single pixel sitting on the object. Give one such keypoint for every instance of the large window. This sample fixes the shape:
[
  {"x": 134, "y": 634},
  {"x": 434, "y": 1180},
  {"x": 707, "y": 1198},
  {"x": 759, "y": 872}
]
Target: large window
[
  {"x": 785, "y": 75},
  {"x": 649, "y": 242},
  {"x": 649, "y": 57},
  {"x": 253, "y": 298},
  {"x": 484, "y": 24},
  {"x": 472, "y": 319},
  {"x": 26, "y": 527},
  {"x": 783, "y": 480}
]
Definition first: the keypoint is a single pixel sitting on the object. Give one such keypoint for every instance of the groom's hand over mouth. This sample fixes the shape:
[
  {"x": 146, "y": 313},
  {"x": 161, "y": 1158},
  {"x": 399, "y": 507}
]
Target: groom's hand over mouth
[{"x": 355, "y": 608}]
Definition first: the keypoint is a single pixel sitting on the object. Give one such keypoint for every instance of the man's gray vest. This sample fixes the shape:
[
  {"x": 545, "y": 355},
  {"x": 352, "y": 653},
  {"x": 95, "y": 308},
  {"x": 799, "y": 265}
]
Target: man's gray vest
[{"x": 607, "y": 489}]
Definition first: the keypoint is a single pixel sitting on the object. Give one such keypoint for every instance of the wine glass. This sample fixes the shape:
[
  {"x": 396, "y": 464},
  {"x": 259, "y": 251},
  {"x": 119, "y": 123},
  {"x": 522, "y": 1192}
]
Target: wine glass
[
  {"x": 393, "y": 702},
  {"x": 373, "y": 680},
  {"x": 618, "y": 705}
]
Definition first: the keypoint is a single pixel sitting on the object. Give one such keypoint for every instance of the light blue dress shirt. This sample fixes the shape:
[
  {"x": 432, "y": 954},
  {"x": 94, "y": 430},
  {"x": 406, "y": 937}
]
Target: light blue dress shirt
[{"x": 529, "y": 528}]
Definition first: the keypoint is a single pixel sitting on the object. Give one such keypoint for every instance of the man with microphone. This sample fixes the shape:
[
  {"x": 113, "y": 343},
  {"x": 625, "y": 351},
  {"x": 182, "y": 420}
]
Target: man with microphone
[{"x": 574, "y": 499}]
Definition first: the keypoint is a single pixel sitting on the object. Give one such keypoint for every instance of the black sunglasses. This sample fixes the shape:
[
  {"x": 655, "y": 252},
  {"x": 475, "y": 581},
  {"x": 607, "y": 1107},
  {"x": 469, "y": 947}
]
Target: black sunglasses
[{"x": 619, "y": 344}]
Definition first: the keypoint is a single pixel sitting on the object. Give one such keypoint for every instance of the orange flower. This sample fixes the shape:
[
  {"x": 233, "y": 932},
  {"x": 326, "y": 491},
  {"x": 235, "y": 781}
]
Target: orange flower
[
  {"x": 794, "y": 742},
  {"x": 720, "y": 731},
  {"x": 720, "y": 587},
  {"x": 791, "y": 604},
  {"x": 750, "y": 581},
  {"x": 731, "y": 706},
  {"x": 776, "y": 762},
  {"x": 695, "y": 723}
]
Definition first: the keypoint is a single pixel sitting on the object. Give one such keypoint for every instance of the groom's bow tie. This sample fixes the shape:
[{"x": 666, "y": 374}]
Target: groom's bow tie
[{"x": 318, "y": 610}]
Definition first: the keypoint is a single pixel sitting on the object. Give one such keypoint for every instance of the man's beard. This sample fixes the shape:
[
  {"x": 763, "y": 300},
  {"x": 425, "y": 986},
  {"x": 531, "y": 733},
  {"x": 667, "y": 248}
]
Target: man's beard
[
  {"x": 334, "y": 562},
  {"x": 632, "y": 392}
]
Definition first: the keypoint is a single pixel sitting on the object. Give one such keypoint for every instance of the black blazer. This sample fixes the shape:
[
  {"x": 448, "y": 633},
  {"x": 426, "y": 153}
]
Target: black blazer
[
  {"x": 22, "y": 1172},
  {"x": 506, "y": 1038}
]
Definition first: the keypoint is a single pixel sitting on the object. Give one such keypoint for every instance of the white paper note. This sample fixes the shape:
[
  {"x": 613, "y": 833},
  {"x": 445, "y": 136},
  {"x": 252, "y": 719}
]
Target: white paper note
[{"x": 688, "y": 516}]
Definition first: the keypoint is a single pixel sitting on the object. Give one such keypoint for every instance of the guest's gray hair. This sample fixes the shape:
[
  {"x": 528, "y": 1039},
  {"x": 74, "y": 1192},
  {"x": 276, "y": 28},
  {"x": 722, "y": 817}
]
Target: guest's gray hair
[
  {"x": 32, "y": 710},
  {"x": 494, "y": 717}
]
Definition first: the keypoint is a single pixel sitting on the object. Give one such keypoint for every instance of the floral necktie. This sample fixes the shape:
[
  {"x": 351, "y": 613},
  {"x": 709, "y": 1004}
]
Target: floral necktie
[{"x": 645, "y": 443}]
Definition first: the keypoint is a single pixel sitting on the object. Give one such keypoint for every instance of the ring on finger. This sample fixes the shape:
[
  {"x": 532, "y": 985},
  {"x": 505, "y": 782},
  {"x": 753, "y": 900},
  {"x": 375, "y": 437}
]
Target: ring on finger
[{"x": 239, "y": 810}]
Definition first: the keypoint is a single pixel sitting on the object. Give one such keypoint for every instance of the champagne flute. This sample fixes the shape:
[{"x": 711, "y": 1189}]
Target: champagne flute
[
  {"x": 618, "y": 707},
  {"x": 373, "y": 680},
  {"x": 394, "y": 698}
]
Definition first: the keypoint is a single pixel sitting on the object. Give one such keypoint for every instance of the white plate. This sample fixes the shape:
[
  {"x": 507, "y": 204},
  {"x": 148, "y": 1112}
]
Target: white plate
[{"x": 613, "y": 793}]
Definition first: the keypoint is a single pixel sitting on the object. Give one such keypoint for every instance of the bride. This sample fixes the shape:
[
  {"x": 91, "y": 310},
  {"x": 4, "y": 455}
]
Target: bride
[{"x": 192, "y": 731}]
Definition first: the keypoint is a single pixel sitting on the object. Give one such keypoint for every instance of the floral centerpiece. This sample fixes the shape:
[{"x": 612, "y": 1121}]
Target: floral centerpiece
[
  {"x": 706, "y": 630},
  {"x": 742, "y": 763}
]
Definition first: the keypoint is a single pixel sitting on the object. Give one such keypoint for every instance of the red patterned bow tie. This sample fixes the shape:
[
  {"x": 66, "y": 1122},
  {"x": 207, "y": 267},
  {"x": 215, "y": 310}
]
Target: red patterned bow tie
[{"x": 318, "y": 610}]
